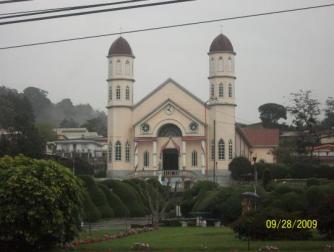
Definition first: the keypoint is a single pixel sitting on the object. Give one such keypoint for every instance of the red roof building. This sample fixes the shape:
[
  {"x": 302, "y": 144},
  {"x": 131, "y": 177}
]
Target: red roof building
[
  {"x": 257, "y": 142},
  {"x": 261, "y": 137}
]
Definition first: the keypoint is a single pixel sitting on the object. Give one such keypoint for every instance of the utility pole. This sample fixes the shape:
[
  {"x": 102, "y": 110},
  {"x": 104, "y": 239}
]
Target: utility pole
[{"x": 214, "y": 147}]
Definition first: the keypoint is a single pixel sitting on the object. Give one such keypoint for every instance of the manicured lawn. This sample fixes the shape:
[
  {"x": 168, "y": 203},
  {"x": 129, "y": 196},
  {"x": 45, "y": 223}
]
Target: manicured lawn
[{"x": 198, "y": 239}]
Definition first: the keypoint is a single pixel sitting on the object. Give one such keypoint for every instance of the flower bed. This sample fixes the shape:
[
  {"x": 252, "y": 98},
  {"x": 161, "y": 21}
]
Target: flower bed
[{"x": 106, "y": 237}]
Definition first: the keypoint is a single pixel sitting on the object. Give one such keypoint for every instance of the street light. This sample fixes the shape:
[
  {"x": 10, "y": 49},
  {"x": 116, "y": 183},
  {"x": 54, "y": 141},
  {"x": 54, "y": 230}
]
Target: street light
[{"x": 255, "y": 173}]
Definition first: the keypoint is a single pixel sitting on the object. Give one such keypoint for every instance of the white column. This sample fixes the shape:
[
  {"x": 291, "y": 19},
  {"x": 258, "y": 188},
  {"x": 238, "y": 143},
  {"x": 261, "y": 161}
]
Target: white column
[
  {"x": 203, "y": 156},
  {"x": 184, "y": 152},
  {"x": 136, "y": 155},
  {"x": 155, "y": 155}
]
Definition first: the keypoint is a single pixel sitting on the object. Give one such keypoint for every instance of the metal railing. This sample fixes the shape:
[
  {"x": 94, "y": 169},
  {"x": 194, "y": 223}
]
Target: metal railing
[{"x": 164, "y": 173}]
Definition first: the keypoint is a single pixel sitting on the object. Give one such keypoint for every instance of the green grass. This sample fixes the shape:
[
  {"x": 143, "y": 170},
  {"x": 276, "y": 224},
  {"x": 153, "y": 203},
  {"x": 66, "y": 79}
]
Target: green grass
[{"x": 198, "y": 239}]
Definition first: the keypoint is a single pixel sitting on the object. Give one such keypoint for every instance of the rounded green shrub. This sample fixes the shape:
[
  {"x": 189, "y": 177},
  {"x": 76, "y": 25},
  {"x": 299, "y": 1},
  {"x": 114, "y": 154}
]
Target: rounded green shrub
[
  {"x": 40, "y": 204},
  {"x": 230, "y": 209},
  {"x": 239, "y": 167},
  {"x": 253, "y": 225}
]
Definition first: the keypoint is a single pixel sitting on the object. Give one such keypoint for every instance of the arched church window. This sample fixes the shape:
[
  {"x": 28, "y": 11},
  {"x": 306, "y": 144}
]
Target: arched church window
[
  {"x": 127, "y": 152},
  {"x": 118, "y": 92},
  {"x": 110, "y": 151},
  {"x": 230, "y": 150},
  {"x": 110, "y": 93},
  {"x": 220, "y": 64},
  {"x": 127, "y": 67},
  {"x": 169, "y": 130},
  {"x": 213, "y": 150},
  {"x": 230, "y": 90},
  {"x": 194, "y": 158},
  {"x": 118, "y": 67},
  {"x": 212, "y": 65},
  {"x": 146, "y": 159},
  {"x": 221, "y": 149},
  {"x": 118, "y": 151},
  {"x": 230, "y": 64},
  {"x": 127, "y": 93},
  {"x": 221, "y": 90},
  {"x": 212, "y": 90}
]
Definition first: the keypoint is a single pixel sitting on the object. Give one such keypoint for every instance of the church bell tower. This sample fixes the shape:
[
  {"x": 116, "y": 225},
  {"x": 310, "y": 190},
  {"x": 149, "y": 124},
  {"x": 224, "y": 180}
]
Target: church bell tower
[
  {"x": 120, "y": 101},
  {"x": 221, "y": 137}
]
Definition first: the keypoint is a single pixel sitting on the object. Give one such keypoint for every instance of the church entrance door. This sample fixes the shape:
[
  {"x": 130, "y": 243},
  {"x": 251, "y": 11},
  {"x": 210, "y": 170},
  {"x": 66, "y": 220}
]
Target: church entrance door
[{"x": 170, "y": 159}]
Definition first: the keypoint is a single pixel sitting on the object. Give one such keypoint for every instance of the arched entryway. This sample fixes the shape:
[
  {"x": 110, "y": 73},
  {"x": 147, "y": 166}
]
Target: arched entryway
[
  {"x": 170, "y": 150},
  {"x": 170, "y": 159}
]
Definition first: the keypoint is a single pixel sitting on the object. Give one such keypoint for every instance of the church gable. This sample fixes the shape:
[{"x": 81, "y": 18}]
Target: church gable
[
  {"x": 173, "y": 91},
  {"x": 169, "y": 113}
]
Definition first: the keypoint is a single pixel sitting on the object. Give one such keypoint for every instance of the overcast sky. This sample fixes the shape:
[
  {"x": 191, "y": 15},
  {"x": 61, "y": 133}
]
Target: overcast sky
[{"x": 276, "y": 55}]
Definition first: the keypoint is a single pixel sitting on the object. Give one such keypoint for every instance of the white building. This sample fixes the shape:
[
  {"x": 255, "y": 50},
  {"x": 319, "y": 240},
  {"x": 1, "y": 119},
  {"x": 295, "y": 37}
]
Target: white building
[
  {"x": 75, "y": 133},
  {"x": 79, "y": 142},
  {"x": 172, "y": 133}
]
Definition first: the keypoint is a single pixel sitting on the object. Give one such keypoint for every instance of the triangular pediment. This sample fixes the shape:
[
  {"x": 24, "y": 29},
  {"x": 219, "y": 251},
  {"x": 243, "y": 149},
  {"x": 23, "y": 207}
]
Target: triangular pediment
[
  {"x": 164, "y": 107},
  {"x": 169, "y": 81},
  {"x": 169, "y": 90}
]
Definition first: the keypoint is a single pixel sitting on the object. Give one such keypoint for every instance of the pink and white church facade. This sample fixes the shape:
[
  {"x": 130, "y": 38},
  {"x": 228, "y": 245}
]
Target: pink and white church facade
[{"x": 171, "y": 133}]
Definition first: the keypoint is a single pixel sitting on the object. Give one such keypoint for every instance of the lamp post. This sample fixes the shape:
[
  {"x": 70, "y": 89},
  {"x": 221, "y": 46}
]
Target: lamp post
[{"x": 255, "y": 173}]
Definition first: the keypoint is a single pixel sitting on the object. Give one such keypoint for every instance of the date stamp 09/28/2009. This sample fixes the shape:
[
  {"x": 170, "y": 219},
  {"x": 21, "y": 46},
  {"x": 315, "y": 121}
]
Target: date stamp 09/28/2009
[{"x": 291, "y": 224}]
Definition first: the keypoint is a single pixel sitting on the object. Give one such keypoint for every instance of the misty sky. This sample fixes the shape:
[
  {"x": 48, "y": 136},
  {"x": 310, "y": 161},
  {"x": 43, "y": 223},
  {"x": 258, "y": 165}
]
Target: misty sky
[{"x": 276, "y": 55}]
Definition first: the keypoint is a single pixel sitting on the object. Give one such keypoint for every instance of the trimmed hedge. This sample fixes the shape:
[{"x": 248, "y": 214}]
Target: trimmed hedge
[
  {"x": 114, "y": 202},
  {"x": 139, "y": 187},
  {"x": 203, "y": 186},
  {"x": 203, "y": 201},
  {"x": 97, "y": 196},
  {"x": 90, "y": 211},
  {"x": 128, "y": 195}
]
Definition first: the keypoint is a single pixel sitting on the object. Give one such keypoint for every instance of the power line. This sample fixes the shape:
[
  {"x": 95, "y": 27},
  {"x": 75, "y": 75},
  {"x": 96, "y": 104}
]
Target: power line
[
  {"x": 93, "y": 12},
  {"x": 45, "y": 11},
  {"x": 167, "y": 26},
  {"x": 13, "y": 1}
]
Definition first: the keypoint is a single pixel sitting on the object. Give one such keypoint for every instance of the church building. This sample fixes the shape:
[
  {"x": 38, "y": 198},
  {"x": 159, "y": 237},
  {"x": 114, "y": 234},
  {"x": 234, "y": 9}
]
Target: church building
[{"x": 171, "y": 134}]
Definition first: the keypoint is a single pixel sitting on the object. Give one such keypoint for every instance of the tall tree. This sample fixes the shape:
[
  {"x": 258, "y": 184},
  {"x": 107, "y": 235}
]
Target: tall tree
[
  {"x": 270, "y": 113},
  {"x": 15, "y": 110},
  {"x": 328, "y": 122},
  {"x": 66, "y": 107},
  {"x": 156, "y": 197},
  {"x": 97, "y": 124},
  {"x": 17, "y": 119},
  {"x": 41, "y": 105},
  {"x": 69, "y": 123},
  {"x": 304, "y": 109}
]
